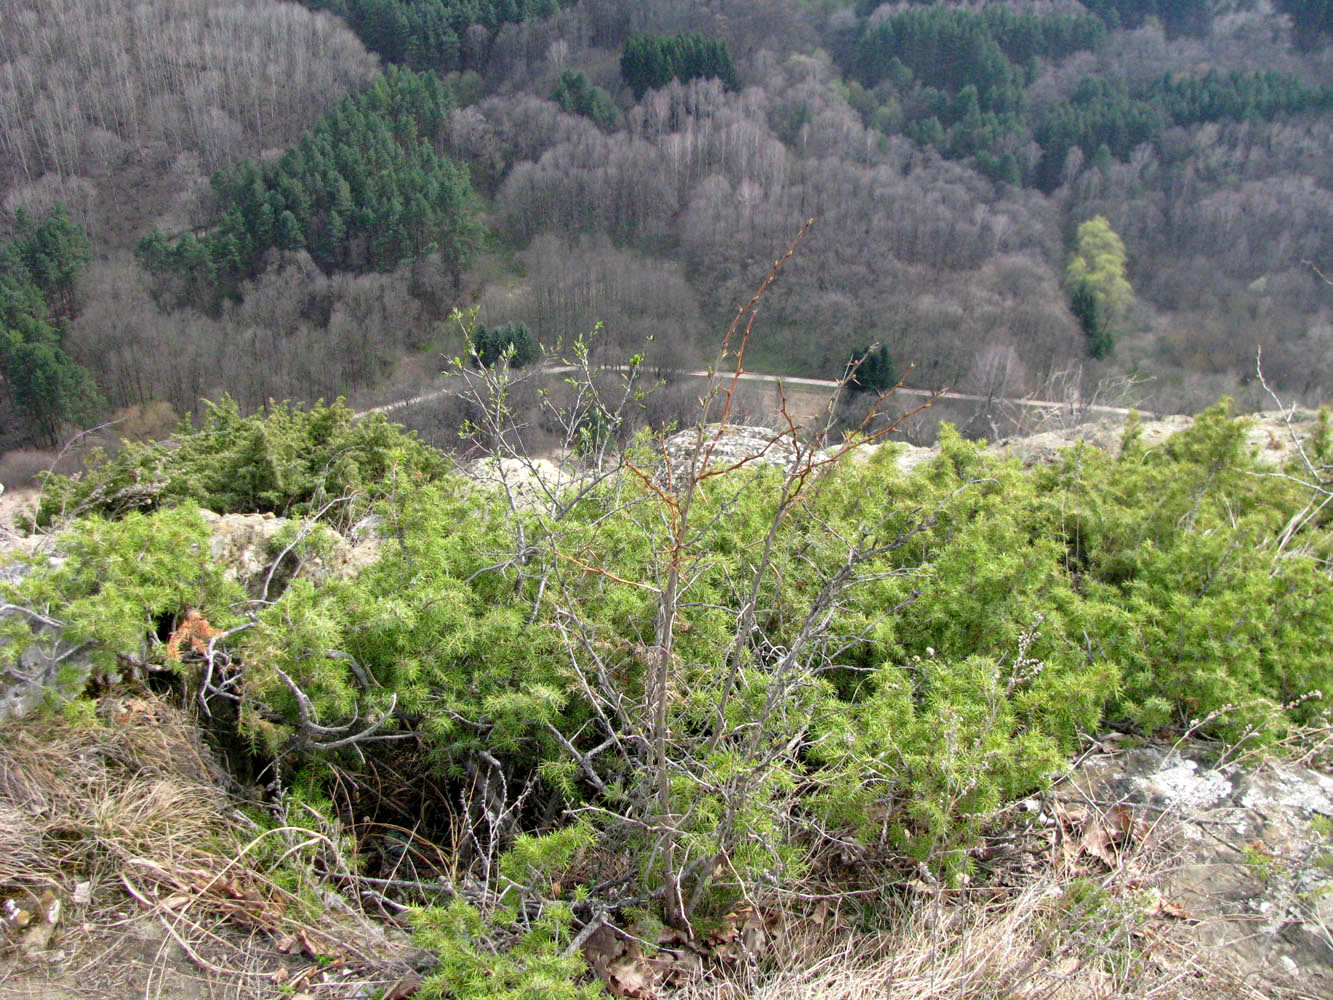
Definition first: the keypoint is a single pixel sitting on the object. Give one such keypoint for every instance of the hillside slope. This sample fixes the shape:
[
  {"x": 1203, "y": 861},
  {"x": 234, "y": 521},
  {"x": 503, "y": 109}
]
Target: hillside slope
[
  {"x": 949, "y": 193},
  {"x": 685, "y": 695}
]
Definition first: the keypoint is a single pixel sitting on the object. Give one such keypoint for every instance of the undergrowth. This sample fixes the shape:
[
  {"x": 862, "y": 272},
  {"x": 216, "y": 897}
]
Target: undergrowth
[{"x": 860, "y": 665}]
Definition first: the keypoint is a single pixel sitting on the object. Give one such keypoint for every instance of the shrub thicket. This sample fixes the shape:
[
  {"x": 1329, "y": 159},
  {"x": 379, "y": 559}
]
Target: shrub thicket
[
  {"x": 711, "y": 677},
  {"x": 291, "y": 460}
]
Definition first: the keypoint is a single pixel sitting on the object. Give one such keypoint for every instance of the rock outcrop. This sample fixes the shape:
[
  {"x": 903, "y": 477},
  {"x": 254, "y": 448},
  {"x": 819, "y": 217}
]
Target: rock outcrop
[
  {"x": 735, "y": 444},
  {"x": 1240, "y": 854},
  {"x": 248, "y": 545}
]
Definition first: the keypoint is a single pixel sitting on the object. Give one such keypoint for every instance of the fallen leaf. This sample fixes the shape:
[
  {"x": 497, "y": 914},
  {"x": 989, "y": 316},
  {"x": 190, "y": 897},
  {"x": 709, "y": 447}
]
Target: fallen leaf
[
  {"x": 1068, "y": 966},
  {"x": 631, "y": 977},
  {"x": 1070, "y": 850},
  {"x": 1096, "y": 841},
  {"x": 1173, "y": 909},
  {"x": 1069, "y": 817},
  {"x": 306, "y": 946},
  {"x": 678, "y": 963},
  {"x": 602, "y": 948},
  {"x": 820, "y": 914},
  {"x": 405, "y": 987},
  {"x": 1120, "y": 822},
  {"x": 49, "y": 906}
]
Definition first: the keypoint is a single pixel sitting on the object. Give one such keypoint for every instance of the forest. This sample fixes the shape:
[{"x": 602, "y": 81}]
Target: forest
[{"x": 289, "y": 201}]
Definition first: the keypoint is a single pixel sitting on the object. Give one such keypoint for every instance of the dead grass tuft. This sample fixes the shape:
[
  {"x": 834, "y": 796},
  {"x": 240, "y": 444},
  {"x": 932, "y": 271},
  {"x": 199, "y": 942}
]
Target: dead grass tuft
[
  {"x": 84, "y": 800},
  {"x": 121, "y": 819},
  {"x": 1051, "y": 940},
  {"x": 1080, "y": 925}
]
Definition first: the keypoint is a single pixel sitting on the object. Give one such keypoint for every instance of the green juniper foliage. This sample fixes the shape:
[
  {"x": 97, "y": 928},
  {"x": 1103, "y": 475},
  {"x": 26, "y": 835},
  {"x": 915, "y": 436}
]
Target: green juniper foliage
[
  {"x": 115, "y": 581},
  {"x": 534, "y": 967},
  {"x": 920, "y": 648},
  {"x": 291, "y": 460}
]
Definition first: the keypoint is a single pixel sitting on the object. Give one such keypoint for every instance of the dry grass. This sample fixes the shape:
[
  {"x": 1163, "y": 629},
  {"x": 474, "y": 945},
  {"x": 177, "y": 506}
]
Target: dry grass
[
  {"x": 1049, "y": 923},
  {"x": 169, "y": 892},
  {"x": 85, "y": 800},
  {"x": 1050, "y": 940},
  {"x": 122, "y": 819},
  {"x": 23, "y": 468}
]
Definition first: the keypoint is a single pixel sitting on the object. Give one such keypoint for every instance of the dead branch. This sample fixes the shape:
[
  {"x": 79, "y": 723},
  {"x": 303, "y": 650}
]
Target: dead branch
[{"x": 311, "y": 729}]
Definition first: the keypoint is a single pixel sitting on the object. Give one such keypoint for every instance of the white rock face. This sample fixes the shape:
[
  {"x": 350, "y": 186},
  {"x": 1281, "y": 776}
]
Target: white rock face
[
  {"x": 757, "y": 446},
  {"x": 531, "y": 483},
  {"x": 1246, "y": 854},
  {"x": 246, "y": 544}
]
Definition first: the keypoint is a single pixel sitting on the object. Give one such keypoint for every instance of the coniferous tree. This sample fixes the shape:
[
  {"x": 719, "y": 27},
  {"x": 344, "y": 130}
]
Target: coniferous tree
[
  {"x": 513, "y": 341},
  {"x": 1312, "y": 20},
  {"x": 38, "y": 270},
  {"x": 363, "y": 190},
  {"x": 576, "y": 95},
  {"x": 53, "y": 250},
  {"x": 424, "y": 34},
  {"x": 1179, "y": 17},
  {"x": 871, "y": 370},
  {"x": 651, "y": 61}
]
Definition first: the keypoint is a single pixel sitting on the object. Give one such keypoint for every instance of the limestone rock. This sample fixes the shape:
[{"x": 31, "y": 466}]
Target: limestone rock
[
  {"x": 1248, "y": 853},
  {"x": 1269, "y": 437},
  {"x": 531, "y": 483},
  {"x": 248, "y": 544},
  {"x": 754, "y": 446}
]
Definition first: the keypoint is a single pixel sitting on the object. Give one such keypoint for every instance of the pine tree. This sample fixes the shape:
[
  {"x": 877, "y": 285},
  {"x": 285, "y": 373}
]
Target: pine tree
[{"x": 870, "y": 369}]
